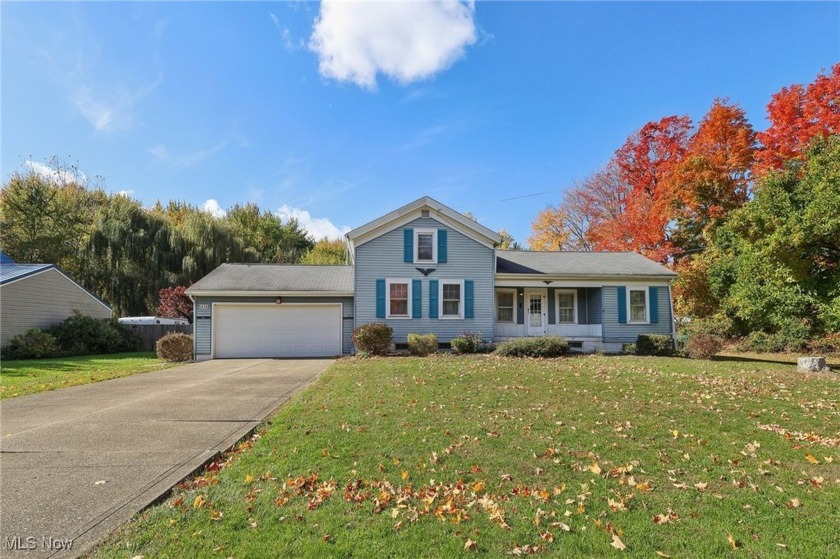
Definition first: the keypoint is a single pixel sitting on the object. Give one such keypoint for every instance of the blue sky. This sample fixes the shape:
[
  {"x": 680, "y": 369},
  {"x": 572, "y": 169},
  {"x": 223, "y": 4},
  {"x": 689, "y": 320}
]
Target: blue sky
[{"x": 337, "y": 114}]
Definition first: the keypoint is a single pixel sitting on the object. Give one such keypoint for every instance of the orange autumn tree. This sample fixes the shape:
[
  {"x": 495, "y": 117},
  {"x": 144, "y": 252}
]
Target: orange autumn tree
[
  {"x": 797, "y": 115},
  {"x": 550, "y": 231}
]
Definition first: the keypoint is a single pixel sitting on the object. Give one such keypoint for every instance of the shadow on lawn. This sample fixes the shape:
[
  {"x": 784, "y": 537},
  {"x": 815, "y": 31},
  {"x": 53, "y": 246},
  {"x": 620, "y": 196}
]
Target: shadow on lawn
[{"x": 75, "y": 364}]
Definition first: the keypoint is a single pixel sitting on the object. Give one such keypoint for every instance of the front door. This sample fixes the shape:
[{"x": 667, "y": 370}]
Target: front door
[{"x": 535, "y": 316}]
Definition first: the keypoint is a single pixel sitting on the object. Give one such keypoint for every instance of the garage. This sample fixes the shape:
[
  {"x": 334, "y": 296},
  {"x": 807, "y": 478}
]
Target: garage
[{"x": 250, "y": 330}]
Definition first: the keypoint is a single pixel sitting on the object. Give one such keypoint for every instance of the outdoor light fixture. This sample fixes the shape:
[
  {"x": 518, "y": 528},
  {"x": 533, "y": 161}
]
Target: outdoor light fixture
[{"x": 279, "y": 300}]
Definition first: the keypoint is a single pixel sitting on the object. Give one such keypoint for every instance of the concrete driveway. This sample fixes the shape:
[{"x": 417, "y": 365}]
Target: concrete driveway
[{"x": 76, "y": 463}]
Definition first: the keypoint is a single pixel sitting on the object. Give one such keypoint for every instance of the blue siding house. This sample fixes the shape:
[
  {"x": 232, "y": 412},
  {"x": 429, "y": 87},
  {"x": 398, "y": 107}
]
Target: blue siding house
[{"x": 426, "y": 268}]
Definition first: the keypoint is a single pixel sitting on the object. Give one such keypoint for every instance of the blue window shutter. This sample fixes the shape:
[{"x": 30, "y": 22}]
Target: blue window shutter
[
  {"x": 408, "y": 245},
  {"x": 433, "y": 298},
  {"x": 441, "y": 246},
  {"x": 469, "y": 299},
  {"x": 622, "y": 304},
  {"x": 653, "y": 304},
  {"x": 416, "y": 299},
  {"x": 380, "y": 298}
]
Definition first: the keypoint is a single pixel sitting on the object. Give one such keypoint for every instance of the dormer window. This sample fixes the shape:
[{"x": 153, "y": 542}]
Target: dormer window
[{"x": 425, "y": 246}]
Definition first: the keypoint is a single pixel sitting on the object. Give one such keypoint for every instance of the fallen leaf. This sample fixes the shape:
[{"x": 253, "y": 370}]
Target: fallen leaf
[
  {"x": 660, "y": 554},
  {"x": 732, "y": 541},
  {"x": 617, "y": 543},
  {"x": 471, "y": 545},
  {"x": 100, "y": 482},
  {"x": 404, "y": 475},
  {"x": 249, "y": 479},
  {"x": 595, "y": 468},
  {"x": 701, "y": 486},
  {"x": 794, "y": 503},
  {"x": 199, "y": 502},
  {"x": 810, "y": 458}
]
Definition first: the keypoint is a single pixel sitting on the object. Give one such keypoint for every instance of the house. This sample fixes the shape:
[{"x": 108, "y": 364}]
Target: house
[
  {"x": 40, "y": 295},
  {"x": 427, "y": 268}
]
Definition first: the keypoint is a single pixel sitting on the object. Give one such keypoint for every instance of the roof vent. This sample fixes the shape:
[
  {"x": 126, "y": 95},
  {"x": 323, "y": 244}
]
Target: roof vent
[{"x": 424, "y": 213}]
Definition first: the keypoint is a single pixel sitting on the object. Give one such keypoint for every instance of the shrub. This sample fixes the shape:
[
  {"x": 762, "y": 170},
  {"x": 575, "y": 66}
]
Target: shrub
[
  {"x": 654, "y": 344},
  {"x": 762, "y": 342},
  {"x": 175, "y": 347},
  {"x": 830, "y": 343},
  {"x": 84, "y": 335},
  {"x": 422, "y": 344},
  {"x": 541, "y": 346},
  {"x": 471, "y": 342},
  {"x": 628, "y": 348},
  {"x": 34, "y": 344},
  {"x": 374, "y": 338},
  {"x": 703, "y": 346},
  {"x": 717, "y": 325}
]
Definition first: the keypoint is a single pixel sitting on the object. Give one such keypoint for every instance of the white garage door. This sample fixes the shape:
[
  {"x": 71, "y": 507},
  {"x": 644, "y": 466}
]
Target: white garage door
[{"x": 286, "y": 330}]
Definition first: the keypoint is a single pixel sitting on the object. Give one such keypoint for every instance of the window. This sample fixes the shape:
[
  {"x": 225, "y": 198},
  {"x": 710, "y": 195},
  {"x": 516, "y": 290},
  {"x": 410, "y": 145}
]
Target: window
[
  {"x": 425, "y": 245},
  {"x": 451, "y": 299},
  {"x": 566, "y": 306},
  {"x": 399, "y": 293},
  {"x": 638, "y": 305},
  {"x": 505, "y": 309}
]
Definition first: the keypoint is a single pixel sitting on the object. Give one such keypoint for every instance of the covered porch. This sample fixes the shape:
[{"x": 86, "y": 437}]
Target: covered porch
[{"x": 571, "y": 311}]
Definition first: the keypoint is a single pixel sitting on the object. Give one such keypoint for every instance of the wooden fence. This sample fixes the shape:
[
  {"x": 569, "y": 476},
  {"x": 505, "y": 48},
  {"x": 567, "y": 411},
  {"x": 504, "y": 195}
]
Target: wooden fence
[{"x": 149, "y": 334}]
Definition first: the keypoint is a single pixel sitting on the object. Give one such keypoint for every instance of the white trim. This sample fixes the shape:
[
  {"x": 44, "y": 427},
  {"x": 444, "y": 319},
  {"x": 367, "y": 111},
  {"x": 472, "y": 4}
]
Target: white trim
[
  {"x": 416, "y": 247},
  {"x": 526, "y": 309},
  {"x": 214, "y": 317},
  {"x": 270, "y": 293},
  {"x": 528, "y": 280},
  {"x": 574, "y": 307},
  {"x": 496, "y": 292},
  {"x": 644, "y": 289},
  {"x": 461, "y": 303},
  {"x": 388, "y": 283}
]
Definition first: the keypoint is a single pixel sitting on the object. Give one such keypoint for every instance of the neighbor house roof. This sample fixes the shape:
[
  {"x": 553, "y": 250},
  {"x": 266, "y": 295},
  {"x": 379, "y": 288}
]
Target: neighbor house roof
[
  {"x": 12, "y": 272},
  {"x": 411, "y": 211},
  {"x": 578, "y": 264},
  {"x": 275, "y": 279}
]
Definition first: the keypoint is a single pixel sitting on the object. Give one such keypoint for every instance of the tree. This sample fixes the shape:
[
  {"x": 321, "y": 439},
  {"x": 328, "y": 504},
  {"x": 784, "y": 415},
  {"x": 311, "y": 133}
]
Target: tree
[
  {"x": 265, "y": 237},
  {"x": 775, "y": 264},
  {"x": 173, "y": 302},
  {"x": 508, "y": 242},
  {"x": 713, "y": 178},
  {"x": 549, "y": 229},
  {"x": 797, "y": 115},
  {"x": 326, "y": 251}
]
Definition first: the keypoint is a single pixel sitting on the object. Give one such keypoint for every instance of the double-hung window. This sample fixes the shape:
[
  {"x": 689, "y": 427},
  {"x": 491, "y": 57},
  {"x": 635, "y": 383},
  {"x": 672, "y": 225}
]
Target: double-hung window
[
  {"x": 566, "y": 306},
  {"x": 638, "y": 304},
  {"x": 425, "y": 246},
  {"x": 505, "y": 309},
  {"x": 399, "y": 293},
  {"x": 451, "y": 299}
]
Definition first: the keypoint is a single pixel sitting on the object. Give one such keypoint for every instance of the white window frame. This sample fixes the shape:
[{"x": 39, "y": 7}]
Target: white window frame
[
  {"x": 646, "y": 291},
  {"x": 388, "y": 283},
  {"x": 460, "y": 315},
  {"x": 433, "y": 233},
  {"x": 574, "y": 306},
  {"x": 512, "y": 292}
]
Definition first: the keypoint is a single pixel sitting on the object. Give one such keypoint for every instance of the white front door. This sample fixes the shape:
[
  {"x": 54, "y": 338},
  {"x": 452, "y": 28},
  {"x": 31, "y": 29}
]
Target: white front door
[{"x": 536, "y": 310}]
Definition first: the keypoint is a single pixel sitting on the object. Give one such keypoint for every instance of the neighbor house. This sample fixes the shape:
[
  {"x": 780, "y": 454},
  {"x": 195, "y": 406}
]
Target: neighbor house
[
  {"x": 427, "y": 268},
  {"x": 40, "y": 295}
]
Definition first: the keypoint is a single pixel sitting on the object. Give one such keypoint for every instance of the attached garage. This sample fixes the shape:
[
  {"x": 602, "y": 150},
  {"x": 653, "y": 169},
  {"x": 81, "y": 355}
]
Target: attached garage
[
  {"x": 272, "y": 330},
  {"x": 273, "y": 311}
]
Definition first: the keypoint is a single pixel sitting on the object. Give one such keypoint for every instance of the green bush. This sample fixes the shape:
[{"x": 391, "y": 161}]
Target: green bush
[
  {"x": 373, "y": 339},
  {"x": 703, "y": 346},
  {"x": 85, "y": 335},
  {"x": 471, "y": 342},
  {"x": 175, "y": 347},
  {"x": 422, "y": 344},
  {"x": 718, "y": 325},
  {"x": 830, "y": 343},
  {"x": 654, "y": 344},
  {"x": 628, "y": 348},
  {"x": 34, "y": 344},
  {"x": 540, "y": 346}
]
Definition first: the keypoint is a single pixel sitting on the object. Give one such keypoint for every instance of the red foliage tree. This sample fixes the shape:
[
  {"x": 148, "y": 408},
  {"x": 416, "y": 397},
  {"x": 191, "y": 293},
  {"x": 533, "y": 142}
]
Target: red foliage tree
[
  {"x": 173, "y": 302},
  {"x": 797, "y": 115}
]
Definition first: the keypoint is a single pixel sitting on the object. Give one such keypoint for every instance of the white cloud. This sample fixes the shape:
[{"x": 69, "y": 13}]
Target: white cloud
[
  {"x": 161, "y": 152},
  {"x": 57, "y": 175},
  {"x": 212, "y": 207},
  {"x": 125, "y": 193},
  {"x": 406, "y": 41},
  {"x": 318, "y": 227},
  {"x": 112, "y": 111}
]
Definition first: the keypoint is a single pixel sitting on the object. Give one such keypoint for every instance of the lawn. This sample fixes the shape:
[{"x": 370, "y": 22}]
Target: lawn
[
  {"x": 20, "y": 377},
  {"x": 591, "y": 456}
]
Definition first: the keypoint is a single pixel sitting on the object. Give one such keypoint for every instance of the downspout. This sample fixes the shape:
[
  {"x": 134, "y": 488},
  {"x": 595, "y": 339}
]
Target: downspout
[{"x": 193, "y": 325}]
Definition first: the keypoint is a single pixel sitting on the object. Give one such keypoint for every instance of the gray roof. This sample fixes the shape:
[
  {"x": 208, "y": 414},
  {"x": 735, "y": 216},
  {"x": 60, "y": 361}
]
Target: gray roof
[
  {"x": 578, "y": 264},
  {"x": 276, "y": 278},
  {"x": 11, "y": 272}
]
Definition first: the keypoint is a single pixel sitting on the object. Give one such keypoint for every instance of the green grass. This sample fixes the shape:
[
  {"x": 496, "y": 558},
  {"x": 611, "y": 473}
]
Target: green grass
[
  {"x": 30, "y": 376},
  {"x": 685, "y": 458}
]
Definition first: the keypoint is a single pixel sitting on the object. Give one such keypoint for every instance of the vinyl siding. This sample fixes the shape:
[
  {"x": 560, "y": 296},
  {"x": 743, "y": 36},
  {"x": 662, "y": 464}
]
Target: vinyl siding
[
  {"x": 382, "y": 257},
  {"x": 627, "y": 333},
  {"x": 41, "y": 300},
  {"x": 203, "y": 323}
]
